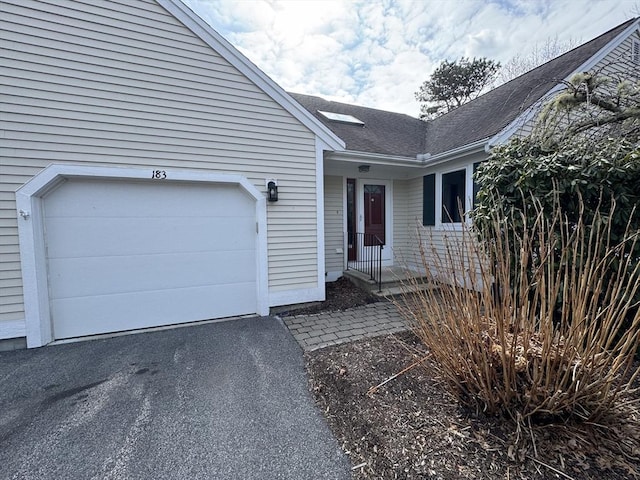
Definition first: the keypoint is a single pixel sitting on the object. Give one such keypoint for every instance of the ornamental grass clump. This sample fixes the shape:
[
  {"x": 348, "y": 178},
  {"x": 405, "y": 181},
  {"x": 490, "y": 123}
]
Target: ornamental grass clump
[{"x": 537, "y": 323}]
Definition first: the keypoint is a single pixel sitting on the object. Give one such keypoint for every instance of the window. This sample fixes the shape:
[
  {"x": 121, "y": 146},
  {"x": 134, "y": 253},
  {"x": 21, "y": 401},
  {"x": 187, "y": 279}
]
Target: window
[
  {"x": 453, "y": 196},
  {"x": 341, "y": 117},
  {"x": 635, "y": 51},
  {"x": 444, "y": 195}
]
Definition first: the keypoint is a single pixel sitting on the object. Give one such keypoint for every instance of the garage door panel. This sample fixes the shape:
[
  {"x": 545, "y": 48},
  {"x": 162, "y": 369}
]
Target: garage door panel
[
  {"x": 129, "y": 311},
  {"x": 108, "y": 275},
  {"x": 145, "y": 199},
  {"x": 87, "y": 237},
  {"x": 127, "y": 255}
]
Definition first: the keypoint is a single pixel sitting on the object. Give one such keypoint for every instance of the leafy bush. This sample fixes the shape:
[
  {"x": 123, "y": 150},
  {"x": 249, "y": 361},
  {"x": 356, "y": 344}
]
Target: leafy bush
[
  {"x": 529, "y": 324},
  {"x": 576, "y": 173},
  {"x": 537, "y": 315},
  {"x": 583, "y": 155}
]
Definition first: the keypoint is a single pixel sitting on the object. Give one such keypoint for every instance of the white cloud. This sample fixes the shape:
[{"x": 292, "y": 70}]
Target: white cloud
[{"x": 377, "y": 53}]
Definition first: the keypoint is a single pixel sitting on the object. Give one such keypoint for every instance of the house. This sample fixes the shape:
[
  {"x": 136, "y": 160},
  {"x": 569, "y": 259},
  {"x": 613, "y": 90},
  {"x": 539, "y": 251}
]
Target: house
[
  {"x": 373, "y": 186},
  {"x": 422, "y": 189},
  {"x": 151, "y": 175},
  {"x": 137, "y": 145}
]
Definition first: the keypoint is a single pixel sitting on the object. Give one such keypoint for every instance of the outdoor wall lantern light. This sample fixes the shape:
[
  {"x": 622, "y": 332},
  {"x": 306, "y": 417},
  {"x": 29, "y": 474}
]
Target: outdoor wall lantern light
[
  {"x": 272, "y": 191},
  {"x": 363, "y": 168}
]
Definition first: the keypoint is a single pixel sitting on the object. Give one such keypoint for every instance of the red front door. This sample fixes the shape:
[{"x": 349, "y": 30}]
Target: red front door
[{"x": 374, "y": 214}]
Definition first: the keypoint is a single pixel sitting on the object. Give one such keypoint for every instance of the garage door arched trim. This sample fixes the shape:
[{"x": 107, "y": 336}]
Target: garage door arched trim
[{"x": 29, "y": 200}]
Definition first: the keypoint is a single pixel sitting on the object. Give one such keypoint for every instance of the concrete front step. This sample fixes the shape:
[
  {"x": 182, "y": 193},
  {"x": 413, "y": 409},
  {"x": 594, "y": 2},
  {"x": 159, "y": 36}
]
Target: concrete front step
[{"x": 395, "y": 281}]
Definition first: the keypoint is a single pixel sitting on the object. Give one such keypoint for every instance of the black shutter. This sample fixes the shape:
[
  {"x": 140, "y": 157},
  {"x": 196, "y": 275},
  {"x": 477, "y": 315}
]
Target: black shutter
[
  {"x": 429, "y": 200},
  {"x": 476, "y": 185}
]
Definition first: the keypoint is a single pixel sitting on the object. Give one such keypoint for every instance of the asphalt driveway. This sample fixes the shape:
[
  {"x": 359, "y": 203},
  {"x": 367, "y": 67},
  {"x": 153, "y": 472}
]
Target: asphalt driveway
[{"x": 223, "y": 400}]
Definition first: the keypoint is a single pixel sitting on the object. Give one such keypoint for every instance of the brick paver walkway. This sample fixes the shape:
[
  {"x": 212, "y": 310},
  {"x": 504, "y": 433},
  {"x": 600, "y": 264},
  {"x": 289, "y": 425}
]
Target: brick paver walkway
[{"x": 330, "y": 328}]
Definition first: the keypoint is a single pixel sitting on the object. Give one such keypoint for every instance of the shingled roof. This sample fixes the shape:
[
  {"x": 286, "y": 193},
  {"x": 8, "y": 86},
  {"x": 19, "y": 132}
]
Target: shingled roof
[
  {"x": 488, "y": 114},
  {"x": 386, "y": 133},
  {"x": 396, "y": 134}
]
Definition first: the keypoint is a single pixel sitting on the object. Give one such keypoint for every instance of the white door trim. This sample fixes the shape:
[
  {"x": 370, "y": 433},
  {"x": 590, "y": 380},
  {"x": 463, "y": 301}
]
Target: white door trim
[
  {"x": 387, "y": 251},
  {"x": 33, "y": 249}
]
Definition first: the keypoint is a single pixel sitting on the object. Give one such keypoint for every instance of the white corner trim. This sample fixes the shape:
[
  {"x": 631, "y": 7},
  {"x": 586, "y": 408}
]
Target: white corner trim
[
  {"x": 333, "y": 276},
  {"x": 33, "y": 263},
  {"x": 12, "y": 329},
  {"x": 33, "y": 249},
  {"x": 504, "y": 134},
  {"x": 345, "y": 226},
  {"x": 320, "y": 243},
  {"x": 291, "y": 297},
  {"x": 218, "y": 43}
]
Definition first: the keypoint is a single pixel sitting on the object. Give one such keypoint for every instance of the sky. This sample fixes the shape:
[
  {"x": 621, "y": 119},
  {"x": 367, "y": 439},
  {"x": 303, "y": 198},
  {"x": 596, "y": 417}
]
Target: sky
[{"x": 377, "y": 53}]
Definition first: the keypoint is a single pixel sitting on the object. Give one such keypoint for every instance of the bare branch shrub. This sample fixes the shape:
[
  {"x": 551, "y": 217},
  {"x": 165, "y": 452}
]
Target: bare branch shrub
[
  {"x": 531, "y": 323},
  {"x": 541, "y": 53}
]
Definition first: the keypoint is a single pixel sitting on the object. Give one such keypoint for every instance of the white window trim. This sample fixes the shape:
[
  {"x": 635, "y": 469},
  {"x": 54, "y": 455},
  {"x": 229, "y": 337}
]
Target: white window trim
[{"x": 468, "y": 201}]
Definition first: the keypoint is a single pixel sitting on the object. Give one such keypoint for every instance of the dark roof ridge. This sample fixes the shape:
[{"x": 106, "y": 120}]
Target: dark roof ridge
[
  {"x": 621, "y": 27},
  {"x": 488, "y": 114},
  {"x": 399, "y": 134}
]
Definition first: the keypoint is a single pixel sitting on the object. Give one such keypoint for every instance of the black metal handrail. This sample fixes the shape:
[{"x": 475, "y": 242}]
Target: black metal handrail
[{"x": 368, "y": 255}]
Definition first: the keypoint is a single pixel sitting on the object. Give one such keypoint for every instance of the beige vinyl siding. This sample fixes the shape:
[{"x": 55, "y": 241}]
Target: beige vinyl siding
[
  {"x": 415, "y": 230},
  {"x": 11, "y": 307},
  {"x": 333, "y": 224},
  {"x": 400, "y": 221},
  {"x": 435, "y": 244},
  {"x": 124, "y": 83},
  {"x": 434, "y": 239}
]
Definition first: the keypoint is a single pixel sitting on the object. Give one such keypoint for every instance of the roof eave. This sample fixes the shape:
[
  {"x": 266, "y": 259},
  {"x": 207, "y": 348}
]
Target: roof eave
[
  {"x": 429, "y": 160},
  {"x": 353, "y": 156},
  {"x": 212, "y": 38}
]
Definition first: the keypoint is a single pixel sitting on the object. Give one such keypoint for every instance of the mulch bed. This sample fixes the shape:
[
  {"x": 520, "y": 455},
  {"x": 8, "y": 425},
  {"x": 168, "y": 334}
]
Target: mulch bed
[
  {"x": 411, "y": 428},
  {"x": 340, "y": 295}
]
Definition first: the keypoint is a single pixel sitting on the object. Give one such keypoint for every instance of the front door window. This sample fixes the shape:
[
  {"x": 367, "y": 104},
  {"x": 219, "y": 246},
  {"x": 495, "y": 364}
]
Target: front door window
[{"x": 374, "y": 214}]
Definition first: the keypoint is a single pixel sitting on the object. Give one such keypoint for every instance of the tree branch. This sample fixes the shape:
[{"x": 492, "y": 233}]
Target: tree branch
[
  {"x": 598, "y": 102},
  {"x": 620, "y": 116}
]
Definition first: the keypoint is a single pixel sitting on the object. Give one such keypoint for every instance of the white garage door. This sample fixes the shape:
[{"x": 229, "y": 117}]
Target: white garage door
[{"x": 127, "y": 255}]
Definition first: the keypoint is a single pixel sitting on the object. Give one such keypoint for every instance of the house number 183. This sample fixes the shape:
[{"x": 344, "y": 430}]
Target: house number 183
[{"x": 159, "y": 174}]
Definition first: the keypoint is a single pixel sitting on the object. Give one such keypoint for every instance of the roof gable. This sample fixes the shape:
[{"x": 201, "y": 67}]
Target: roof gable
[
  {"x": 500, "y": 108},
  {"x": 212, "y": 38},
  {"x": 380, "y": 132}
]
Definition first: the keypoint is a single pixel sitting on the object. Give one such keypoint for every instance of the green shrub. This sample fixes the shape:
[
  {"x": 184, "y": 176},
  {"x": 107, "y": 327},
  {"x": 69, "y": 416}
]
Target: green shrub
[
  {"x": 585, "y": 177},
  {"x": 577, "y": 173}
]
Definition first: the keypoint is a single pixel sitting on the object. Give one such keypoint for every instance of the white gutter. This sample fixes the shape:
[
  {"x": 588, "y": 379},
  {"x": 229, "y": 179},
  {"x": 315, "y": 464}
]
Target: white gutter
[
  {"x": 353, "y": 156},
  {"x": 429, "y": 160}
]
